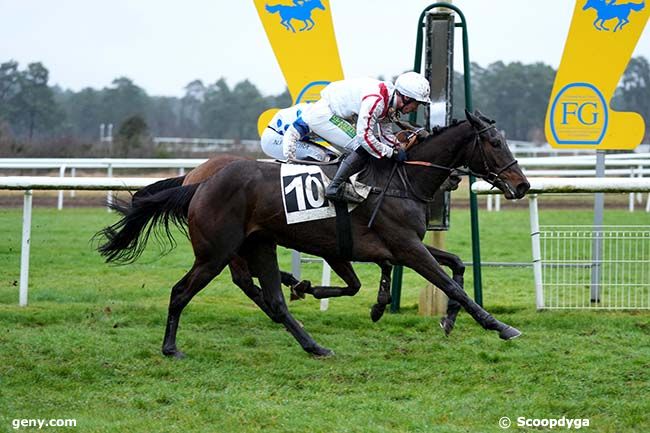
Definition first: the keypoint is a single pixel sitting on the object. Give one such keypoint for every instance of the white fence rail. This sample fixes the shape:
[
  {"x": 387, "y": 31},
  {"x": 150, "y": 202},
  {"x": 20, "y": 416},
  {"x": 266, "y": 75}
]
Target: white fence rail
[
  {"x": 108, "y": 164},
  {"x": 620, "y": 264},
  {"x": 48, "y": 183},
  {"x": 28, "y": 184}
]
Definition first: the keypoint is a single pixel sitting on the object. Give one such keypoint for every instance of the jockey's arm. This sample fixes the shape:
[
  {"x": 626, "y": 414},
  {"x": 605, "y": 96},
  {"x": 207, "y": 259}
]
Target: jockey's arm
[
  {"x": 371, "y": 108},
  {"x": 386, "y": 133},
  {"x": 295, "y": 132}
]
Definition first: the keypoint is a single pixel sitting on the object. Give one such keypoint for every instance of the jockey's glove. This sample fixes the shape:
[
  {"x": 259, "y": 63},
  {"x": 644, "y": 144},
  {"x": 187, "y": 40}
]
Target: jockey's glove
[{"x": 399, "y": 155}]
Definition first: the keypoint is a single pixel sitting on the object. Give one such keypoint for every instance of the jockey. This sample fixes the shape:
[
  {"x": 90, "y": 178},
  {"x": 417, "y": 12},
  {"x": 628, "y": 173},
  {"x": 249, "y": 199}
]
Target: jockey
[
  {"x": 289, "y": 121},
  {"x": 376, "y": 104}
]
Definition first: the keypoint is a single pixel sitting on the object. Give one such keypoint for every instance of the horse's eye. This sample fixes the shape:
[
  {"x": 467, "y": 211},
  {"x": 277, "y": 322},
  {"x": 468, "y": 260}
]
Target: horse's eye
[{"x": 496, "y": 143}]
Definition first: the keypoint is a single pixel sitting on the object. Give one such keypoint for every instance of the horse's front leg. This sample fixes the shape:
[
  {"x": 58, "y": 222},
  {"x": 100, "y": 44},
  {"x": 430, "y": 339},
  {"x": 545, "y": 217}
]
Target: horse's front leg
[
  {"x": 457, "y": 267},
  {"x": 417, "y": 257},
  {"x": 306, "y": 25}
]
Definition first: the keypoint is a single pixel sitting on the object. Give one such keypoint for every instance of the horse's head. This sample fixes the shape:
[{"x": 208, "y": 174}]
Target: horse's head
[
  {"x": 591, "y": 4},
  {"x": 491, "y": 159},
  {"x": 317, "y": 4}
]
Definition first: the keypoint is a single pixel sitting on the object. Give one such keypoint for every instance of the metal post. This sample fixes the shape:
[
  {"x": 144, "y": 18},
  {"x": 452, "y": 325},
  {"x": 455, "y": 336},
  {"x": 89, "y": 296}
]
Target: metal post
[
  {"x": 73, "y": 173},
  {"x": 59, "y": 204},
  {"x": 109, "y": 194},
  {"x": 326, "y": 279},
  {"x": 597, "y": 245},
  {"x": 630, "y": 205},
  {"x": 295, "y": 264},
  {"x": 24, "y": 249},
  {"x": 396, "y": 288},
  {"x": 537, "y": 255}
]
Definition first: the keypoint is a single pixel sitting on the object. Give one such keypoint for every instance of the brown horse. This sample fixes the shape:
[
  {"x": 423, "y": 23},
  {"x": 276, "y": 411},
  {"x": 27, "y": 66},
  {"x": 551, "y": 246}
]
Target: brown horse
[
  {"x": 239, "y": 269},
  {"x": 239, "y": 211}
]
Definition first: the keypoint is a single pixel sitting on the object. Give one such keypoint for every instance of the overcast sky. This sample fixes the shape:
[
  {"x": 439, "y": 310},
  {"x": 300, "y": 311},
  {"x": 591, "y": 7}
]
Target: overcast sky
[{"x": 162, "y": 45}]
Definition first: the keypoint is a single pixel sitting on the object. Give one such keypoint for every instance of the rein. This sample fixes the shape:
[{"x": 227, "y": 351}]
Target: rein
[{"x": 489, "y": 176}]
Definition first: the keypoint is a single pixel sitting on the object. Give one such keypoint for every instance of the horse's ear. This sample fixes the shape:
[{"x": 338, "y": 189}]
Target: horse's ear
[
  {"x": 473, "y": 119},
  {"x": 483, "y": 117}
]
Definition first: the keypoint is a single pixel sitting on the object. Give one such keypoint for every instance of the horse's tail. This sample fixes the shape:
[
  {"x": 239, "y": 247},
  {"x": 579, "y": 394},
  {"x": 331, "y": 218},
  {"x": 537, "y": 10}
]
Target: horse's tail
[
  {"x": 156, "y": 187},
  {"x": 272, "y": 9},
  {"x": 154, "y": 212}
]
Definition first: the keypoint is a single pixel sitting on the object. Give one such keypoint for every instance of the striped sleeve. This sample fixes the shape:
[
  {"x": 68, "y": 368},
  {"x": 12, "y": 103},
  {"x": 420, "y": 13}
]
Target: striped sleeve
[{"x": 371, "y": 109}]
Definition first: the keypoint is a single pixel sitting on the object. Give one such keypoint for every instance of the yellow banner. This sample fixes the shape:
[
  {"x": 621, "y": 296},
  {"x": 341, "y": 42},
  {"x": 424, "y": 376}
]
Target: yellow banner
[
  {"x": 600, "y": 43},
  {"x": 301, "y": 33}
]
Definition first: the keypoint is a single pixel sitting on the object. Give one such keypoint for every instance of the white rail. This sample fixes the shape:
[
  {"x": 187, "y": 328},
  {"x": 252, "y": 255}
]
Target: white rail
[
  {"x": 63, "y": 164},
  {"x": 28, "y": 184},
  {"x": 562, "y": 186}
]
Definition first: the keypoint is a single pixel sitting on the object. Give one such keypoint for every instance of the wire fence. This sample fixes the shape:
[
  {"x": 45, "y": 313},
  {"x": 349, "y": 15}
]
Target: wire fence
[{"x": 603, "y": 267}]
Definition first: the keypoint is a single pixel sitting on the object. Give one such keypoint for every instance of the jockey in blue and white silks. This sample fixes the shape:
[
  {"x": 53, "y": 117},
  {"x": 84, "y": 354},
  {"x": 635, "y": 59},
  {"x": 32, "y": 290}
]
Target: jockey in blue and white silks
[{"x": 287, "y": 125}]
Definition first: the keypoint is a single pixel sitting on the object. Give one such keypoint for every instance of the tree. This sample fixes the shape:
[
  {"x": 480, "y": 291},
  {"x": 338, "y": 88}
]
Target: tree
[
  {"x": 124, "y": 100},
  {"x": 633, "y": 94},
  {"x": 32, "y": 108},
  {"x": 217, "y": 113},
  {"x": 249, "y": 103},
  {"x": 132, "y": 136},
  {"x": 9, "y": 85},
  {"x": 85, "y": 111},
  {"x": 190, "y": 109}
]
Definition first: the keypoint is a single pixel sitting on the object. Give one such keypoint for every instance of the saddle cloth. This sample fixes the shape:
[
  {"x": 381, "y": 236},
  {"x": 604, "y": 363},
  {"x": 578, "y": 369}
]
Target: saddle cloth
[{"x": 303, "y": 193}]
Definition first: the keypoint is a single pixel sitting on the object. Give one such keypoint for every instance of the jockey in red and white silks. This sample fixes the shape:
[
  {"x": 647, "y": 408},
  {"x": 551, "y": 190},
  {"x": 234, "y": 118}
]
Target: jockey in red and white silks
[{"x": 375, "y": 103}]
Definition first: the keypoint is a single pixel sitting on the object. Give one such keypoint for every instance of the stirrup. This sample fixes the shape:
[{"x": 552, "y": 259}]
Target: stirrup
[{"x": 345, "y": 193}]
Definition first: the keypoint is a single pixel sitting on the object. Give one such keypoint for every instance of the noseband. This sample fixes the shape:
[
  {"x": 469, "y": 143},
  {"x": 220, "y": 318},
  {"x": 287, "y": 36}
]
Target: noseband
[{"x": 490, "y": 176}]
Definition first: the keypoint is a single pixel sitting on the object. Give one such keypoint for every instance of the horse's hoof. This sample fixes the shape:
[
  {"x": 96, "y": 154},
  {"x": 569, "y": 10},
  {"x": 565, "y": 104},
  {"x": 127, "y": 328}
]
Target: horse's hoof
[
  {"x": 447, "y": 325},
  {"x": 298, "y": 291},
  {"x": 509, "y": 333},
  {"x": 173, "y": 353},
  {"x": 377, "y": 311},
  {"x": 321, "y": 352}
]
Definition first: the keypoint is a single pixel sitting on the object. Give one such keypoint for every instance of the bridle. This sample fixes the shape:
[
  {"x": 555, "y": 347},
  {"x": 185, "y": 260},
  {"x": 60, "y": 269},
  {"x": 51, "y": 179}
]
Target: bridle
[{"x": 491, "y": 176}]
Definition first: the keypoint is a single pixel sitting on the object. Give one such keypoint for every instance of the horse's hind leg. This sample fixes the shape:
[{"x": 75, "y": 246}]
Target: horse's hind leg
[
  {"x": 243, "y": 278},
  {"x": 182, "y": 293},
  {"x": 344, "y": 270},
  {"x": 264, "y": 263},
  {"x": 383, "y": 296},
  {"x": 457, "y": 267}
]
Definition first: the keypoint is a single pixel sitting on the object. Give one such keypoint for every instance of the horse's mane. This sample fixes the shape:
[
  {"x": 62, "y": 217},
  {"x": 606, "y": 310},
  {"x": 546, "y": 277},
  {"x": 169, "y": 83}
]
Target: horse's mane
[{"x": 437, "y": 130}]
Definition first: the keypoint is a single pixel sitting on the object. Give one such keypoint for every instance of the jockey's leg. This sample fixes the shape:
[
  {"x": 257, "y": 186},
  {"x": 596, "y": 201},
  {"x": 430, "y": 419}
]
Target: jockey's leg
[
  {"x": 352, "y": 164},
  {"x": 327, "y": 125},
  {"x": 271, "y": 143}
]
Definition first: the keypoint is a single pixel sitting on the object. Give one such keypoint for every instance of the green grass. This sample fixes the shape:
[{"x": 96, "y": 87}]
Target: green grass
[{"x": 87, "y": 346}]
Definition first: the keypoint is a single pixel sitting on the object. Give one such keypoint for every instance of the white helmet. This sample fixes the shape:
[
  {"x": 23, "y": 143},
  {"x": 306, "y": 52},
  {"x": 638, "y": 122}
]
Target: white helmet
[{"x": 413, "y": 85}]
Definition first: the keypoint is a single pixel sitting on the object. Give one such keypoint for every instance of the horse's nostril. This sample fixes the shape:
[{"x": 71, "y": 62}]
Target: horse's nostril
[{"x": 522, "y": 188}]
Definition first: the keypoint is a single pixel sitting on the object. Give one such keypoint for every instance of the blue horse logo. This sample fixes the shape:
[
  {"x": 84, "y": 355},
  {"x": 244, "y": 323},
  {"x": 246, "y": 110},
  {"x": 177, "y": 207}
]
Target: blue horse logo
[
  {"x": 609, "y": 10},
  {"x": 301, "y": 11}
]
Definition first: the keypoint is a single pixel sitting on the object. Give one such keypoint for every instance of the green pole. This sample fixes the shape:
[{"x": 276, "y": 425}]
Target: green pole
[{"x": 396, "y": 288}]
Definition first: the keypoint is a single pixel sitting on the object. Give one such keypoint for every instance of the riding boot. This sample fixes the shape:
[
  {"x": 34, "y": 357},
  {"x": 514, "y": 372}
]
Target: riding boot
[{"x": 353, "y": 163}]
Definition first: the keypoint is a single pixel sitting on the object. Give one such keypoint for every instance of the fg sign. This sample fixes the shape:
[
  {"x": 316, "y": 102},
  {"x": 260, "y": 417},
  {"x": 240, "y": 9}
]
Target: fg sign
[{"x": 601, "y": 40}]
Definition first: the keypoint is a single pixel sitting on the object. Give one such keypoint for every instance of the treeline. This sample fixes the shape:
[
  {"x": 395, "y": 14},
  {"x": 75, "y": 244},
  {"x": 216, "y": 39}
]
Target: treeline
[{"x": 35, "y": 115}]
